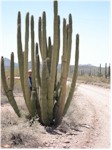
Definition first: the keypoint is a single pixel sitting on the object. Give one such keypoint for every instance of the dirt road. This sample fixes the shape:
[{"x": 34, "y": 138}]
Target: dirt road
[
  {"x": 86, "y": 125},
  {"x": 100, "y": 101}
]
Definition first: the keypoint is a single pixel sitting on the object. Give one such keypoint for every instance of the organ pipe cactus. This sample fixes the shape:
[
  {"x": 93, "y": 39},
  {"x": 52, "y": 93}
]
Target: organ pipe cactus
[
  {"x": 48, "y": 97},
  {"x": 9, "y": 90}
]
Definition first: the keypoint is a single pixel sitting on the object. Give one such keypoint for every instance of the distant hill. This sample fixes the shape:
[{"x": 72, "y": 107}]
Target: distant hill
[
  {"x": 87, "y": 69},
  {"x": 83, "y": 68},
  {"x": 7, "y": 63}
]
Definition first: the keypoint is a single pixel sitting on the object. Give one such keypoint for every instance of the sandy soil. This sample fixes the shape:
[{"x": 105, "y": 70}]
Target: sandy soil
[{"x": 86, "y": 125}]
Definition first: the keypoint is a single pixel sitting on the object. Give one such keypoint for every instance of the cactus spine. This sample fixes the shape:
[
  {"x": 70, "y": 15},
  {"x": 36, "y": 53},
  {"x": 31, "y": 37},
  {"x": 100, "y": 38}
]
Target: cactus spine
[{"x": 47, "y": 98}]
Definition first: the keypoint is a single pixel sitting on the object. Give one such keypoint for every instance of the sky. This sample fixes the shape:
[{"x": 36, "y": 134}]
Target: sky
[{"x": 91, "y": 20}]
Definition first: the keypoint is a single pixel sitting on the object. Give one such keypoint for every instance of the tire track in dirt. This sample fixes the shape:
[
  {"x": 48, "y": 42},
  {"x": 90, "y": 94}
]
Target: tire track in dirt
[
  {"x": 87, "y": 123},
  {"x": 99, "y": 99}
]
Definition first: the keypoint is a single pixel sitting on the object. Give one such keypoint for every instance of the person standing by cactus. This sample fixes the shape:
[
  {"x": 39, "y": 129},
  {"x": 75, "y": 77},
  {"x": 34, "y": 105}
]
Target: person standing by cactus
[{"x": 29, "y": 78}]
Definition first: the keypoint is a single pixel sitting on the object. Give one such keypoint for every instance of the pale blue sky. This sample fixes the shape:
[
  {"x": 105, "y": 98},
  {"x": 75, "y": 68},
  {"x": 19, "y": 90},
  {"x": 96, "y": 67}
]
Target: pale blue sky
[{"x": 91, "y": 19}]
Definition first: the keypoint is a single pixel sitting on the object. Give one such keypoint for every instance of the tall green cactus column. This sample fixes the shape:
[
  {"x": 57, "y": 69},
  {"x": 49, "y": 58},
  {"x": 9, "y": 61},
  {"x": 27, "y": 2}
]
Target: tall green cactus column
[
  {"x": 9, "y": 90},
  {"x": 34, "y": 96},
  {"x": 38, "y": 68},
  {"x": 61, "y": 101},
  {"x": 64, "y": 103},
  {"x": 26, "y": 85},
  {"x": 20, "y": 52},
  {"x": 44, "y": 94},
  {"x": 74, "y": 78},
  {"x": 53, "y": 64}
]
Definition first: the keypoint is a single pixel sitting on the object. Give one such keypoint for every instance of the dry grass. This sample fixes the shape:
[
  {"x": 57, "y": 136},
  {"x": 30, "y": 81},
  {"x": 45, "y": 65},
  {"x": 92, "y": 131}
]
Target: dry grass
[
  {"x": 94, "y": 80},
  {"x": 17, "y": 84}
]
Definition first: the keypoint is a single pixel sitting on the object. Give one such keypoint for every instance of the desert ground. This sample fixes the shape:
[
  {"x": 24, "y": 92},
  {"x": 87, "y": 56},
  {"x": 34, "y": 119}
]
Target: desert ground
[{"x": 86, "y": 124}]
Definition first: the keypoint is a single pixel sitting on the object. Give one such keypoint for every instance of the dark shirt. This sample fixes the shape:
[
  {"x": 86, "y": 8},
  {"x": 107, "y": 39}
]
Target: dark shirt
[{"x": 30, "y": 82}]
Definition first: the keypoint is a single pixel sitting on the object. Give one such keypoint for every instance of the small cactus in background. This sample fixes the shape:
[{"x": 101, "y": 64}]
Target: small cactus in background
[
  {"x": 106, "y": 70},
  {"x": 100, "y": 71},
  {"x": 48, "y": 96},
  {"x": 109, "y": 71},
  {"x": 90, "y": 73}
]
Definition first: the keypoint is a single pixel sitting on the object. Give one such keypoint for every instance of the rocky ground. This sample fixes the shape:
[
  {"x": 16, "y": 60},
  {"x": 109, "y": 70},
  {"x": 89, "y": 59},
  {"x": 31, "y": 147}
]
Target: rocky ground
[{"x": 86, "y": 125}]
